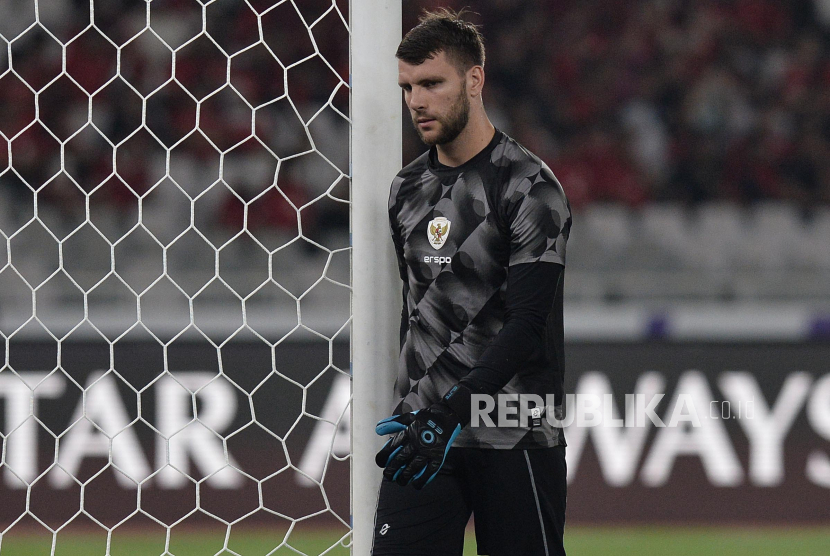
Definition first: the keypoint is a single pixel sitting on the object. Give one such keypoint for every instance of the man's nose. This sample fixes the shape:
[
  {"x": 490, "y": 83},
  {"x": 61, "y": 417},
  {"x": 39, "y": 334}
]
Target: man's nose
[{"x": 416, "y": 100}]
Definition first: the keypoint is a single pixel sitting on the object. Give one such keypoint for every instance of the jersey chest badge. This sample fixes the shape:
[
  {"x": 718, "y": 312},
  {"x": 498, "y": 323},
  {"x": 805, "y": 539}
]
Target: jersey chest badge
[{"x": 437, "y": 231}]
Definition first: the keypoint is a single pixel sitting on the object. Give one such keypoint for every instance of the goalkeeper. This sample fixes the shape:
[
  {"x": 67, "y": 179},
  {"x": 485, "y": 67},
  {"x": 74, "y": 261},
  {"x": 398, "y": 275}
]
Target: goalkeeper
[{"x": 480, "y": 226}]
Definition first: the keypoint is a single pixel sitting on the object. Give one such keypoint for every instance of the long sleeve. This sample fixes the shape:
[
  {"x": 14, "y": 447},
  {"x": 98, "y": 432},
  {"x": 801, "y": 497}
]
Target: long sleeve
[
  {"x": 534, "y": 290},
  {"x": 531, "y": 293},
  {"x": 398, "y": 243},
  {"x": 404, "y": 317},
  {"x": 539, "y": 220}
]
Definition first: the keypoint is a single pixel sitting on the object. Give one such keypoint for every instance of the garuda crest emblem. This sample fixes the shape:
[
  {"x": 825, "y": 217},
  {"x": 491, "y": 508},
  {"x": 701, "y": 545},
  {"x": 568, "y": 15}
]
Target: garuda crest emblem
[{"x": 437, "y": 231}]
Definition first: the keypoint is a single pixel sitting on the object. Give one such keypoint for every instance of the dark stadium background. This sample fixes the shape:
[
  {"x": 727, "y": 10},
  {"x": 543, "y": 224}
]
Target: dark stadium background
[{"x": 691, "y": 137}]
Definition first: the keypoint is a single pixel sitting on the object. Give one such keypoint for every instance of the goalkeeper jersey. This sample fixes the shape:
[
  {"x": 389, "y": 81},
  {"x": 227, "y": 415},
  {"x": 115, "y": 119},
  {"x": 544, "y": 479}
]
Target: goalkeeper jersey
[{"x": 461, "y": 235}]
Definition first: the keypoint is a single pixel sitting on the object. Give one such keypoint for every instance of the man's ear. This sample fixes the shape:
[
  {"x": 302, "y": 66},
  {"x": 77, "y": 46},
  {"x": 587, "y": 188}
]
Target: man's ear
[{"x": 475, "y": 80}]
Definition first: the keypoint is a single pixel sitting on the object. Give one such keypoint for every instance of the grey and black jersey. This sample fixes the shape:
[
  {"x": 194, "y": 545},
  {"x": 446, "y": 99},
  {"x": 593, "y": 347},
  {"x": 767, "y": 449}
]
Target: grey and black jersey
[{"x": 458, "y": 233}]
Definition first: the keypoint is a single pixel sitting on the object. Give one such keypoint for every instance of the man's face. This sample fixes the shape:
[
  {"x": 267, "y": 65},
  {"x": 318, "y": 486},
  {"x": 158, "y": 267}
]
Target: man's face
[{"x": 437, "y": 98}]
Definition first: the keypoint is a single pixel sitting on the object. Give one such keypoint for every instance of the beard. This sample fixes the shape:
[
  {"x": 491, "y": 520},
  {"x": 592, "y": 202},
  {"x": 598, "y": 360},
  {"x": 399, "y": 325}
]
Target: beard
[{"x": 452, "y": 124}]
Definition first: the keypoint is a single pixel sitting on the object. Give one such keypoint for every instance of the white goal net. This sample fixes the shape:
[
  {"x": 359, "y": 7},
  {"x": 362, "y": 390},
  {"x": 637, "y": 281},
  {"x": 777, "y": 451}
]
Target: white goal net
[{"x": 174, "y": 274}]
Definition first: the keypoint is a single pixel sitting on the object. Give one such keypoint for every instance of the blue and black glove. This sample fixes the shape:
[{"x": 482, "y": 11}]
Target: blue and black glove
[{"x": 422, "y": 439}]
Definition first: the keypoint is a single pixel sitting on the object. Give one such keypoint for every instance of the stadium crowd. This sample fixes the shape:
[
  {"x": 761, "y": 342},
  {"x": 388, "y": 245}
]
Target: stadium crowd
[
  {"x": 689, "y": 101},
  {"x": 259, "y": 102},
  {"x": 628, "y": 102}
]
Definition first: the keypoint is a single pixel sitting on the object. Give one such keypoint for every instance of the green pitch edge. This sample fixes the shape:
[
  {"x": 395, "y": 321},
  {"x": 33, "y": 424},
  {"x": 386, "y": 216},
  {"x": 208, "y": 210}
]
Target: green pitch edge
[{"x": 580, "y": 541}]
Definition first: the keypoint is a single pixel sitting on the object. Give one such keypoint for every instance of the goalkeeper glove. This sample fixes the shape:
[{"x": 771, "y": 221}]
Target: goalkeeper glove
[{"x": 422, "y": 439}]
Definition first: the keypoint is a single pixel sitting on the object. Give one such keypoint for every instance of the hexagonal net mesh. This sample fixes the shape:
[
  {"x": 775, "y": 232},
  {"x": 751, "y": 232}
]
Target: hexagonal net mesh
[{"x": 174, "y": 272}]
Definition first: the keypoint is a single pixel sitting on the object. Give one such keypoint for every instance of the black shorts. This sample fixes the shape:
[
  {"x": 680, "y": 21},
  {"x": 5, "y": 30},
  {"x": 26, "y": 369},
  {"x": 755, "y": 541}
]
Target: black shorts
[{"x": 516, "y": 496}]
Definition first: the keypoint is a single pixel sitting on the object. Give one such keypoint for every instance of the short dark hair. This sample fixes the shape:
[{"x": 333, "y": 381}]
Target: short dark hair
[{"x": 443, "y": 30}]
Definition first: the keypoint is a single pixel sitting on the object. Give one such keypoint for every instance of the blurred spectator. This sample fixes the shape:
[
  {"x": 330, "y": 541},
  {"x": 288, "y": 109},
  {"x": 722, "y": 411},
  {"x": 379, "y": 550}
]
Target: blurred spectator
[
  {"x": 665, "y": 100},
  {"x": 627, "y": 101},
  {"x": 248, "y": 117}
]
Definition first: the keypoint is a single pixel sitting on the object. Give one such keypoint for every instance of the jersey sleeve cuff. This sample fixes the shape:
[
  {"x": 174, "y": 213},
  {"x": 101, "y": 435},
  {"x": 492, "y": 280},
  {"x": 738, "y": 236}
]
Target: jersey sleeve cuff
[{"x": 459, "y": 400}]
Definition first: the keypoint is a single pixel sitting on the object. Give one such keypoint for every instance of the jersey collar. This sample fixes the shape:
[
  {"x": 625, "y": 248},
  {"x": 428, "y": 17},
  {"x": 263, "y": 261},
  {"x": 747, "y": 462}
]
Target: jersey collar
[{"x": 440, "y": 169}]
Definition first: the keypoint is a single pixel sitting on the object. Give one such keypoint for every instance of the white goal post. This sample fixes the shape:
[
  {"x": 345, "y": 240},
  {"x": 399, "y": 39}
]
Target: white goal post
[{"x": 376, "y": 300}]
